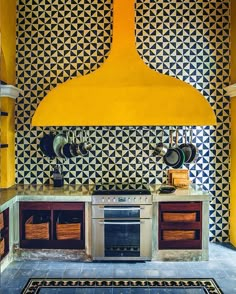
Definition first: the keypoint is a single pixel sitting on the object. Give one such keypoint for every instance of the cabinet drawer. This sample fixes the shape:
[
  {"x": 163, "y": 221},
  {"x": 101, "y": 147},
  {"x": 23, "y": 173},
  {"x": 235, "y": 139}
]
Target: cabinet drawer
[
  {"x": 170, "y": 235},
  {"x": 180, "y": 206},
  {"x": 179, "y": 216}
]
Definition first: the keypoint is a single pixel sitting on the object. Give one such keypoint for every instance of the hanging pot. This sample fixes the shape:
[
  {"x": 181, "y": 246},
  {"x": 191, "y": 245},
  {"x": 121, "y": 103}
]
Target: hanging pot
[
  {"x": 67, "y": 149},
  {"x": 174, "y": 156},
  {"x": 160, "y": 149},
  {"x": 85, "y": 145},
  {"x": 46, "y": 145},
  {"x": 194, "y": 150},
  {"x": 181, "y": 153},
  {"x": 58, "y": 143},
  {"x": 186, "y": 148}
]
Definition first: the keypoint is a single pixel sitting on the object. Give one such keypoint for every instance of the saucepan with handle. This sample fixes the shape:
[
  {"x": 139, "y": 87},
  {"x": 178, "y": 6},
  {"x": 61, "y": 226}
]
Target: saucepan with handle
[
  {"x": 85, "y": 145},
  {"x": 58, "y": 143},
  {"x": 160, "y": 149}
]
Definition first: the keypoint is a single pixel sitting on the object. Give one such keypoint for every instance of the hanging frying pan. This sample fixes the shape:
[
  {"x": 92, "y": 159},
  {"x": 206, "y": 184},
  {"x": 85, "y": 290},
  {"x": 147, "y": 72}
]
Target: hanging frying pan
[
  {"x": 46, "y": 145},
  {"x": 174, "y": 156},
  {"x": 181, "y": 153},
  {"x": 186, "y": 148},
  {"x": 194, "y": 150}
]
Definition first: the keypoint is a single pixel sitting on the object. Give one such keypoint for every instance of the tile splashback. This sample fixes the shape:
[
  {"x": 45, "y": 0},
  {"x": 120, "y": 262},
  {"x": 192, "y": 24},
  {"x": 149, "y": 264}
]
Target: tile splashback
[{"x": 185, "y": 39}]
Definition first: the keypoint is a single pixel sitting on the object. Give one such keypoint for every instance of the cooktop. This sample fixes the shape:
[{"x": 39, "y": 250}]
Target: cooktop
[{"x": 122, "y": 189}]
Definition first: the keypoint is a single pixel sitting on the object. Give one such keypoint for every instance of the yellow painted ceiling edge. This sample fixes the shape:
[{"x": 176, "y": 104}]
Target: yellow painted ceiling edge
[{"x": 124, "y": 90}]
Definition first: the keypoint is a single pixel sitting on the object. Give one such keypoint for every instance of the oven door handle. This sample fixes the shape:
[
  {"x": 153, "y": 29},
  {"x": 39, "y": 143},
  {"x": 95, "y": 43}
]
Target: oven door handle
[
  {"x": 119, "y": 223},
  {"x": 121, "y": 208}
]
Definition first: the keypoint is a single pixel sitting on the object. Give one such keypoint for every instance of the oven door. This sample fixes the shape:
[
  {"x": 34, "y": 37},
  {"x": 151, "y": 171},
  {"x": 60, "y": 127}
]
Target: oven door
[{"x": 121, "y": 235}]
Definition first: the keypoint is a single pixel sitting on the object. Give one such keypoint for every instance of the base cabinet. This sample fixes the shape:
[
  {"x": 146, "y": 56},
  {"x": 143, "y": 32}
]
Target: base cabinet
[
  {"x": 4, "y": 233},
  {"x": 58, "y": 225},
  {"x": 180, "y": 225}
]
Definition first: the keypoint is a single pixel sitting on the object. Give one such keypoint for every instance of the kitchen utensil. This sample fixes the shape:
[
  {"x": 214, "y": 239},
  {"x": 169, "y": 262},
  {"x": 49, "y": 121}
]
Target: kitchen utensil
[
  {"x": 194, "y": 150},
  {"x": 59, "y": 141},
  {"x": 67, "y": 149},
  {"x": 182, "y": 174},
  {"x": 186, "y": 147},
  {"x": 46, "y": 145},
  {"x": 181, "y": 153},
  {"x": 167, "y": 189},
  {"x": 84, "y": 146},
  {"x": 160, "y": 149},
  {"x": 174, "y": 156}
]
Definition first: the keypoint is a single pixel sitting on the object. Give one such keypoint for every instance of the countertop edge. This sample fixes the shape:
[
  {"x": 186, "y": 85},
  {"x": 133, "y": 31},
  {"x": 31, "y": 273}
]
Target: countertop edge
[{"x": 83, "y": 193}]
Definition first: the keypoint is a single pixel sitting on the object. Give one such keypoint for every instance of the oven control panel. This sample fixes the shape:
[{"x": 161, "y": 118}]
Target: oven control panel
[{"x": 122, "y": 199}]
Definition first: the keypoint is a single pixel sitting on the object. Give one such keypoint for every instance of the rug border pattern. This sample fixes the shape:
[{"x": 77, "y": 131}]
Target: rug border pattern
[{"x": 208, "y": 284}]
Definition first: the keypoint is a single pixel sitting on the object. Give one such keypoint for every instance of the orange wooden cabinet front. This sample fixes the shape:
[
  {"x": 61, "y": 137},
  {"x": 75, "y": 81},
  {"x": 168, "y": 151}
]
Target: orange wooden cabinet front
[
  {"x": 58, "y": 225},
  {"x": 180, "y": 225},
  {"x": 4, "y": 233}
]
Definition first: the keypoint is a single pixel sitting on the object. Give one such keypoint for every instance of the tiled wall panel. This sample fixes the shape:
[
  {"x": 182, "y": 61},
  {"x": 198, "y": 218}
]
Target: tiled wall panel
[{"x": 57, "y": 40}]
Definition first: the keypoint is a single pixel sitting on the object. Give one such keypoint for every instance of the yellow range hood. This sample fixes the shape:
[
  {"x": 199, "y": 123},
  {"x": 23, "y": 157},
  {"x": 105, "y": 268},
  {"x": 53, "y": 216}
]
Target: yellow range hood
[{"x": 124, "y": 91}]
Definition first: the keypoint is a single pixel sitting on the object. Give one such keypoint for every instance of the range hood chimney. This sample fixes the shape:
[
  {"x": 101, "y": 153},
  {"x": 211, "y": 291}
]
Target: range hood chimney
[{"x": 124, "y": 91}]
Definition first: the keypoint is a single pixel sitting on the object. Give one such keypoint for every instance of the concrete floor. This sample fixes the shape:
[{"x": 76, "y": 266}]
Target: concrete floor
[{"x": 221, "y": 266}]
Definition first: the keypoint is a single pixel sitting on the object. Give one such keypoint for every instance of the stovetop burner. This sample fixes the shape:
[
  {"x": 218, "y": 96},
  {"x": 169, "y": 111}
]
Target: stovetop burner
[{"x": 122, "y": 189}]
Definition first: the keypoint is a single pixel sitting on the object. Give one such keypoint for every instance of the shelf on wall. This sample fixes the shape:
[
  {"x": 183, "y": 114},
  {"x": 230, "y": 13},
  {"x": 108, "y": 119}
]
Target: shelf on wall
[{"x": 3, "y": 113}]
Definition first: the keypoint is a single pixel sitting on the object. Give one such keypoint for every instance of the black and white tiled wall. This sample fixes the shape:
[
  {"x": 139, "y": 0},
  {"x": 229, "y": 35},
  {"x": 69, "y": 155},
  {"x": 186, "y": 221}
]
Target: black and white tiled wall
[{"x": 58, "y": 40}]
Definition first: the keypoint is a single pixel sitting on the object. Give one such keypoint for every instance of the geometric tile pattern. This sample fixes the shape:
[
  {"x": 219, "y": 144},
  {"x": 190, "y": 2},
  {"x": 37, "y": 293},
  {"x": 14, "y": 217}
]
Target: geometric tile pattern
[{"x": 188, "y": 40}]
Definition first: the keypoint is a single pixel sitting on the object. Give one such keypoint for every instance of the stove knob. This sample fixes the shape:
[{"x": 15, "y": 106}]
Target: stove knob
[
  {"x": 108, "y": 199},
  {"x": 103, "y": 199},
  {"x": 134, "y": 199},
  {"x": 114, "y": 199},
  {"x": 129, "y": 199}
]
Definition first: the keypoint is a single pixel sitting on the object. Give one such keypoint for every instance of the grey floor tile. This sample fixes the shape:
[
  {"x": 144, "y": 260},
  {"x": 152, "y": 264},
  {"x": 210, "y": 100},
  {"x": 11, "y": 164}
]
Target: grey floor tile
[
  {"x": 10, "y": 290},
  {"x": 103, "y": 291},
  {"x": 74, "y": 265},
  {"x": 71, "y": 273},
  {"x": 39, "y": 273},
  {"x": 227, "y": 285},
  {"x": 221, "y": 266},
  {"x": 29, "y": 265},
  {"x": 55, "y": 273},
  {"x": 85, "y": 291},
  {"x": 121, "y": 291}
]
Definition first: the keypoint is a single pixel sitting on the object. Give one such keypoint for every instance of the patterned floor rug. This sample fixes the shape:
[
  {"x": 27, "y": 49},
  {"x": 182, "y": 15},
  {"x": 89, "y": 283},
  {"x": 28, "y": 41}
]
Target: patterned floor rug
[{"x": 107, "y": 286}]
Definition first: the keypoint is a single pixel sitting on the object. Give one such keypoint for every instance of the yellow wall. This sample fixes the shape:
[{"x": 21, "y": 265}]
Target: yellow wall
[
  {"x": 8, "y": 75},
  {"x": 8, "y": 136},
  {"x": 233, "y": 41},
  {"x": 233, "y": 128},
  {"x": 8, "y": 40}
]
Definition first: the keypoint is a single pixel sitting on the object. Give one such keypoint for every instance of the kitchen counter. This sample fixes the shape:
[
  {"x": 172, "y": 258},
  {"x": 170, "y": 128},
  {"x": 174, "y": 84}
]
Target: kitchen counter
[
  {"x": 83, "y": 193},
  {"x": 10, "y": 198},
  {"x": 67, "y": 193},
  {"x": 193, "y": 193}
]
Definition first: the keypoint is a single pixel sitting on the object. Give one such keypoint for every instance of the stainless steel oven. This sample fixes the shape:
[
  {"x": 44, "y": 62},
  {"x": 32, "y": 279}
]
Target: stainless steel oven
[{"x": 122, "y": 224}]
